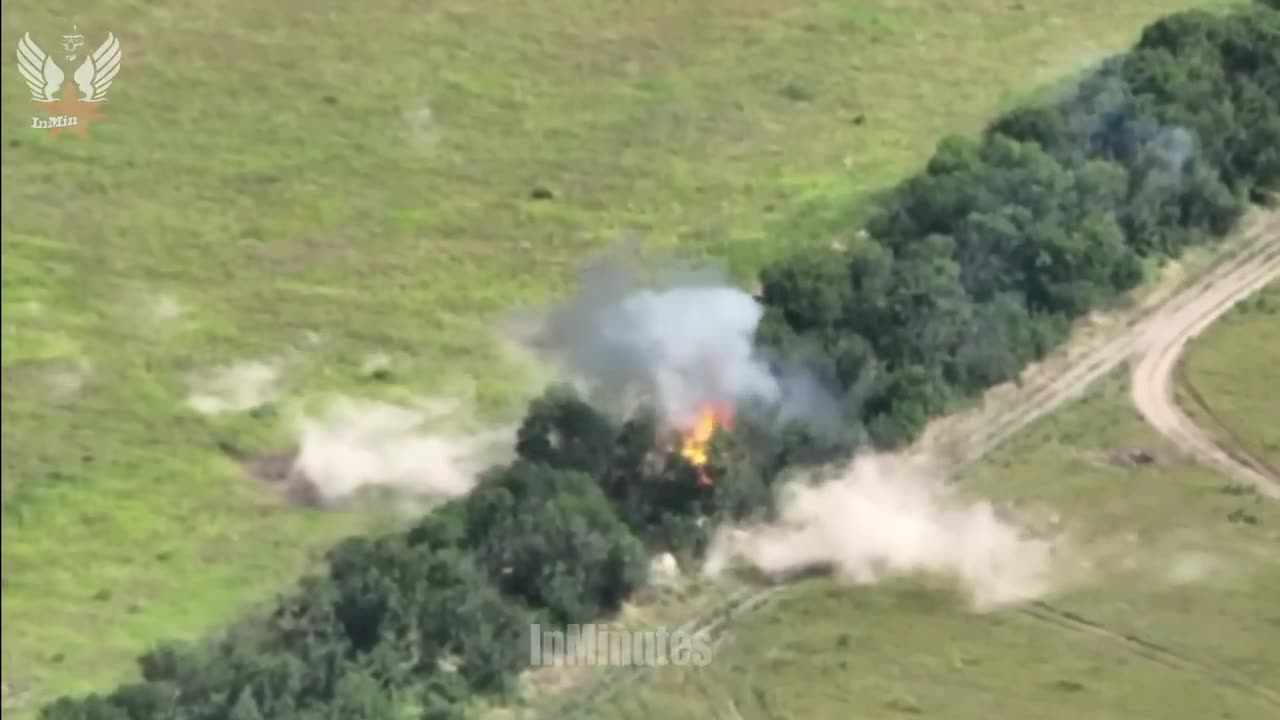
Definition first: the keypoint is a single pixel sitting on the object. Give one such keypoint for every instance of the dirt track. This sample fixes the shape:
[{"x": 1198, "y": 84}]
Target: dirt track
[
  {"x": 1167, "y": 335},
  {"x": 1154, "y": 337}
]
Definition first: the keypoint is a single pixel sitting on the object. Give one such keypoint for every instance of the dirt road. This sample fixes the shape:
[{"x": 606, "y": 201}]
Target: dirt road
[
  {"x": 1154, "y": 337},
  {"x": 1162, "y": 344}
]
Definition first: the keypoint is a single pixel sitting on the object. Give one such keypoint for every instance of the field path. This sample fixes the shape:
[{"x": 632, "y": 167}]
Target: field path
[
  {"x": 1154, "y": 374},
  {"x": 966, "y": 437}
]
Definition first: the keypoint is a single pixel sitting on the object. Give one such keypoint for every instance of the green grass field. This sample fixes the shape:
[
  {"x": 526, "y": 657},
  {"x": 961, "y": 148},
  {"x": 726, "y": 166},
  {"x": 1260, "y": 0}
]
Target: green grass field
[
  {"x": 315, "y": 183},
  {"x": 1189, "y": 587},
  {"x": 1230, "y": 374}
]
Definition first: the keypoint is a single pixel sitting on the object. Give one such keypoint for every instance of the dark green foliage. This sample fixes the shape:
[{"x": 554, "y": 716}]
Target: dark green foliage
[
  {"x": 976, "y": 266},
  {"x": 445, "y": 527},
  {"x": 561, "y": 429},
  {"x": 550, "y": 537},
  {"x": 395, "y": 600},
  {"x": 654, "y": 491},
  {"x": 246, "y": 708},
  {"x": 360, "y": 697},
  {"x": 444, "y": 698},
  {"x": 811, "y": 289},
  {"x": 968, "y": 271}
]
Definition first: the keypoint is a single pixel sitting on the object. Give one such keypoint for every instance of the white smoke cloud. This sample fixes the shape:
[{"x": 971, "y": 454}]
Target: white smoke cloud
[
  {"x": 360, "y": 444},
  {"x": 690, "y": 345},
  {"x": 884, "y": 517},
  {"x": 1174, "y": 147},
  {"x": 234, "y": 388},
  {"x": 683, "y": 344}
]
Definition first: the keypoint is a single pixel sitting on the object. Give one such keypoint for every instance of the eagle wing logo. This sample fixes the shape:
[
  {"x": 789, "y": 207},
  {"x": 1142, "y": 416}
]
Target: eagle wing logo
[
  {"x": 95, "y": 74},
  {"x": 93, "y": 77},
  {"x": 42, "y": 74}
]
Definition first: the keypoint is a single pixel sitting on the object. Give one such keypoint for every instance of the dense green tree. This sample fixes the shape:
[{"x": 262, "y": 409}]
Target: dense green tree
[
  {"x": 912, "y": 396},
  {"x": 444, "y": 697},
  {"x": 443, "y": 527},
  {"x": 360, "y": 697},
  {"x": 462, "y": 615},
  {"x": 245, "y": 708},
  {"x": 1001, "y": 340},
  {"x": 563, "y": 431},
  {"x": 551, "y": 537},
  {"x": 812, "y": 288}
]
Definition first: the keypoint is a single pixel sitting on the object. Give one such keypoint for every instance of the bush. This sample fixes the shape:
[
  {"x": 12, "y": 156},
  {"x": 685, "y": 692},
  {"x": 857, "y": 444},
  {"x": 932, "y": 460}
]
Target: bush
[{"x": 550, "y": 537}]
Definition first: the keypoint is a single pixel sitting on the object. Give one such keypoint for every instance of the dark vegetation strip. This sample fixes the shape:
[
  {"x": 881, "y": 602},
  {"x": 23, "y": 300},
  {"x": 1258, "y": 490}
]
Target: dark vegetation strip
[{"x": 967, "y": 272}]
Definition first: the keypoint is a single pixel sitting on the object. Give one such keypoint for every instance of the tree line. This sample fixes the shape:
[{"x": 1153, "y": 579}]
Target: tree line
[
  {"x": 966, "y": 272},
  {"x": 977, "y": 265}
]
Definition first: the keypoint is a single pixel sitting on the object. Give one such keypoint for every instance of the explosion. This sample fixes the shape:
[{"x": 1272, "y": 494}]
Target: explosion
[{"x": 695, "y": 445}]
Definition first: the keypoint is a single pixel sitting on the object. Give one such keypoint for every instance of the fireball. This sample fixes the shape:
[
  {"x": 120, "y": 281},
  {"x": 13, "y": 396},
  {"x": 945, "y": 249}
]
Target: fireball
[{"x": 695, "y": 445}]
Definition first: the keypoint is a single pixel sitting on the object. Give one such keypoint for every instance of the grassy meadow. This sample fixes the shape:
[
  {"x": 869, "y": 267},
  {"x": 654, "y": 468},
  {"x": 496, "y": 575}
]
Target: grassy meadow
[
  {"x": 313, "y": 184},
  {"x": 1175, "y": 620},
  {"x": 1229, "y": 375}
]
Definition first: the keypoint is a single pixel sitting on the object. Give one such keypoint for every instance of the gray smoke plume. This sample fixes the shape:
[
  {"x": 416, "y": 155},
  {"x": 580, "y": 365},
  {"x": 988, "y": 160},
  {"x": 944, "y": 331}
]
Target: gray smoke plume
[
  {"x": 682, "y": 342},
  {"x": 1173, "y": 148},
  {"x": 1104, "y": 118}
]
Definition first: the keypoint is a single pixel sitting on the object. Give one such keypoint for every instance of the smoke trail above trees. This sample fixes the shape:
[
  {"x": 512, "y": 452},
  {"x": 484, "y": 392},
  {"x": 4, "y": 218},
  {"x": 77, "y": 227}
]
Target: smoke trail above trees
[{"x": 684, "y": 343}]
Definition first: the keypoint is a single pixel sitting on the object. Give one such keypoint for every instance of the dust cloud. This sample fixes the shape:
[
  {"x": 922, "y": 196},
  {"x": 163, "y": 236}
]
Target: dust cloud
[
  {"x": 357, "y": 445},
  {"x": 885, "y": 517}
]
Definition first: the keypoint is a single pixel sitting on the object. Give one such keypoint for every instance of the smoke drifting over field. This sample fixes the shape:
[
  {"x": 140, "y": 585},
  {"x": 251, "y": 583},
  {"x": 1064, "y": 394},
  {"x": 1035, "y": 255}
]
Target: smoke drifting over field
[
  {"x": 885, "y": 517},
  {"x": 357, "y": 445},
  {"x": 683, "y": 343}
]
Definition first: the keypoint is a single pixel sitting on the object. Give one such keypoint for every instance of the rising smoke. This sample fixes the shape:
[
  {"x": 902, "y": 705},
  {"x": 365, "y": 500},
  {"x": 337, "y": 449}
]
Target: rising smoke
[
  {"x": 690, "y": 341},
  {"x": 1103, "y": 116},
  {"x": 1174, "y": 147},
  {"x": 885, "y": 517},
  {"x": 682, "y": 342}
]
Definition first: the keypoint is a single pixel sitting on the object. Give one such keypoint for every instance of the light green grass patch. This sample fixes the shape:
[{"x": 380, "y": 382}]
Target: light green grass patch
[{"x": 1230, "y": 375}]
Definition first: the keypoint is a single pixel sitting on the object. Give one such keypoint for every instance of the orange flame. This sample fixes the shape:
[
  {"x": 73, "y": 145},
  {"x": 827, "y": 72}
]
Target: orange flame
[{"x": 696, "y": 444}]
